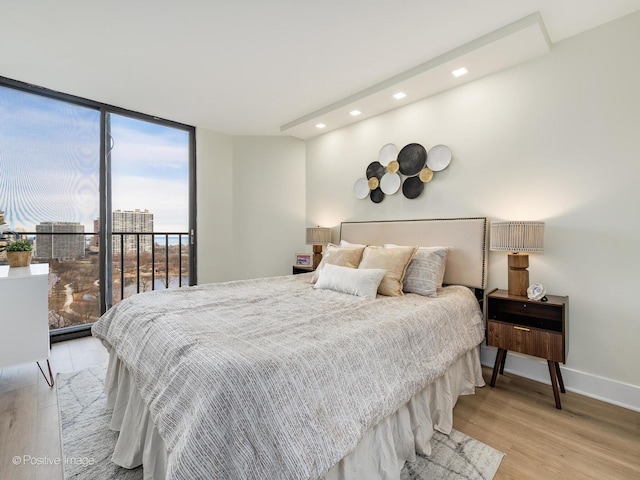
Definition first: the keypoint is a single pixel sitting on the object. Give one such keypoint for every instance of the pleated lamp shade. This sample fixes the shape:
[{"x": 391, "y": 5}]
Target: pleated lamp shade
[
  {"x": 525, "y": 237},
  {"x": 318, "y": 236}
]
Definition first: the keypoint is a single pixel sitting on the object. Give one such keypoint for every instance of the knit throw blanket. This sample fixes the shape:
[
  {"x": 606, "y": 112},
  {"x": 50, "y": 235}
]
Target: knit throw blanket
[{"x": 271, "y": 378}]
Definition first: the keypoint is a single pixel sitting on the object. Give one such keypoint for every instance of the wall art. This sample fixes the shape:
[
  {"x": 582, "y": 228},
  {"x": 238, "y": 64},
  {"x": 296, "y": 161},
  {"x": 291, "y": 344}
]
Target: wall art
[{"x": 410, "y": 168}]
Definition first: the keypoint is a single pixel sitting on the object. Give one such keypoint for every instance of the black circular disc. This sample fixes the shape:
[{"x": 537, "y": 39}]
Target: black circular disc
[
  {"x": 412, "y": 187},
  {"x": 377, "y": 195},
  {"x": 412, "y": 159},
  {"x": 375, "y": 169}
]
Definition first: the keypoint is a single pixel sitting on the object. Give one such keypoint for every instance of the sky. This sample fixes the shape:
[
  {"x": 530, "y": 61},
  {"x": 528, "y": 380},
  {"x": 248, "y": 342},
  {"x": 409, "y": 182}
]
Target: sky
[
  {"x": 150, "y": 170},
  {"x": 50, "y": 162}
]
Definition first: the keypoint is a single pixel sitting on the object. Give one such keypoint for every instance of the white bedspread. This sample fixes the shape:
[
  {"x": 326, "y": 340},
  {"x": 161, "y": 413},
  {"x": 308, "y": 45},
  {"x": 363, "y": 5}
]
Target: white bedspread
[{"x": 271, "y": 378}]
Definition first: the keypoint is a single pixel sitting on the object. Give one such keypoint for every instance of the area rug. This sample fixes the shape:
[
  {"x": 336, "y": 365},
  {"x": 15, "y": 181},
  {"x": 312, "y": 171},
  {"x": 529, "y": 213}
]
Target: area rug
[{"x": 87, "y": 442}]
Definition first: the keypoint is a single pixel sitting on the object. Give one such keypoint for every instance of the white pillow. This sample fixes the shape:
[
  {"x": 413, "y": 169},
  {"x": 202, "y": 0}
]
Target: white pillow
[
  {"x": 425, "y": 271},
  {"x": 354, "y": 281},
  {"x": 344, "y": 243}
]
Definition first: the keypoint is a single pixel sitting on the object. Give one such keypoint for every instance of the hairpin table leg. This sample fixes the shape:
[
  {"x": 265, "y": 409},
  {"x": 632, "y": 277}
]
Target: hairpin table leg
[{"x": 50, "y": 379}]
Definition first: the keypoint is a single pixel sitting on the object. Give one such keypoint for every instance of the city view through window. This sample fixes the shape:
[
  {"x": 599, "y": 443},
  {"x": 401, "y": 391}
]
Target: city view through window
[{"x": 50, "y": 195}]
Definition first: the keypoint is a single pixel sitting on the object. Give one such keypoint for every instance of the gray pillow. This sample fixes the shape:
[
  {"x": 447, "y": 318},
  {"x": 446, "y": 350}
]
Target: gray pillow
[{"x": 425, "y": 271}]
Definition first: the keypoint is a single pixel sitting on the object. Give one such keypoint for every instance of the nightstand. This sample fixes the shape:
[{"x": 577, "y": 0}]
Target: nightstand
[
  {"x": 301, "y": 269},
  {"x": 531, "y": 327}
]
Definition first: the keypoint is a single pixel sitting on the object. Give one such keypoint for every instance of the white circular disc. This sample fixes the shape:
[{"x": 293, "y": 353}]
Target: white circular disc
[
  {"x": 388, "y": 153},
  {"x": 390, "y": 183},
  {"x": 361, "y": 188},
  {"x": 438, "y": 158}
]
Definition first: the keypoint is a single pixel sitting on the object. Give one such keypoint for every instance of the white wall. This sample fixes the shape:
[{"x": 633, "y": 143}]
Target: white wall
[
  {"x": 555, "y": 139},
  {"x": 251, "y": 205},
  {"x": 214, "y": 173},
  {"x": 268, "y": 204}
]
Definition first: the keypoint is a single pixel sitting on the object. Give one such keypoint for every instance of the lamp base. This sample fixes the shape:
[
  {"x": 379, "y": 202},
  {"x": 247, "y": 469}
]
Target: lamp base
[
  {"x": 518, "y": 274},
  {"x": 317, "y": 256}
]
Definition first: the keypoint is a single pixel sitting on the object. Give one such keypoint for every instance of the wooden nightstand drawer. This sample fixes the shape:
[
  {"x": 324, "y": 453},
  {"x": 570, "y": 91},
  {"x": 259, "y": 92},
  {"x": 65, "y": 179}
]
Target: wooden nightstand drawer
[{"x": 530, "y": 341}]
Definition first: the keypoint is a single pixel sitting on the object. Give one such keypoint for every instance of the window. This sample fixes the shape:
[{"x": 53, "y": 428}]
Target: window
[
  {"x": 105, "y": 195},
  {"x": 150, "y": 193}
]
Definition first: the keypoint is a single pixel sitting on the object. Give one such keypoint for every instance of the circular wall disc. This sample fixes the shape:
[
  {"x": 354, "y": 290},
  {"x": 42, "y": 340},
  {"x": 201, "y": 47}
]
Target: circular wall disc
[
  {"x": 412, "y": 187},
  {"x": 412, "y": 158},
  {"x": 388, "y": 153},
  {"x": 376, "y": 195},
  {"x": 390, "y": 183},
  {"x": 393, "y": 166},
  {"x": 426, "y": 174},
  {"x": 439, "y": 158},
  {"x": 373, "y": 183},
  {"x": 361, "y": 188},
  {"x": 375, "y": 169}
]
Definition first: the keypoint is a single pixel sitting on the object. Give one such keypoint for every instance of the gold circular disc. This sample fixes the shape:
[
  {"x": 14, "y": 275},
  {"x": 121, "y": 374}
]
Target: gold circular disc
[
  {"x": 373, "y": 183},
  {"x": 426, "y": 174},
  {"x": 393, "y": 166}
]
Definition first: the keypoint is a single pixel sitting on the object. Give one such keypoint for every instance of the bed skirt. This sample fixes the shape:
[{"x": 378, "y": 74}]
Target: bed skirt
[{"x": 380, "y": 454}]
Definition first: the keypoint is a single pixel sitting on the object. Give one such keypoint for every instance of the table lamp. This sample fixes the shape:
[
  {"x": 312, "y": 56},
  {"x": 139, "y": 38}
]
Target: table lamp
[
  {"x": 318, "y": 236},
  {"x": 520, "y": 239}
]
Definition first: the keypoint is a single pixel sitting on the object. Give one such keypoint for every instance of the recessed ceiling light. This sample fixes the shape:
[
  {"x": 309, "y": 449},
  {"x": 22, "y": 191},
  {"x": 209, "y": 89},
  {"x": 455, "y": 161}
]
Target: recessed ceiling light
[
  {"x": 399, "y": 95},
  {"x": 320, "y": 125},
  {"x": 460, "y": 71},
  {"x": 355, "y": 113}
]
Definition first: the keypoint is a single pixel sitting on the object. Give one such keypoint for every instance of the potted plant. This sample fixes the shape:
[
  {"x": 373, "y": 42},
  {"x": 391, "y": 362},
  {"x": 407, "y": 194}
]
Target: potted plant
[{"x": 19, "y": 253}]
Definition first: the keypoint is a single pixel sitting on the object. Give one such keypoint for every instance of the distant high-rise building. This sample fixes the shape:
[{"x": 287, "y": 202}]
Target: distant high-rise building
[
  {"x": 95, "y": 240},
  {"x": 132, "y": 221},
  {"x": 59, "y": 247}
]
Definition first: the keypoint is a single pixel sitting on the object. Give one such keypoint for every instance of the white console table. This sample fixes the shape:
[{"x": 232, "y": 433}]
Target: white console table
[{"x": 24, "y": 314}]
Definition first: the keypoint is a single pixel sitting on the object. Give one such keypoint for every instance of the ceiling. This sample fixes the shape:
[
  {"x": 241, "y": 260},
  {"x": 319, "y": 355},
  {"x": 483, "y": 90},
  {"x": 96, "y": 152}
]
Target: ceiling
[{"x": 253, "y": 67}]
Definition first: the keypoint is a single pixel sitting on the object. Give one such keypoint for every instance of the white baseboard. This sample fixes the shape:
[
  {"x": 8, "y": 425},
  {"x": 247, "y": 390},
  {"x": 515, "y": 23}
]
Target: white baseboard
[{"x": 610, "y": 391}]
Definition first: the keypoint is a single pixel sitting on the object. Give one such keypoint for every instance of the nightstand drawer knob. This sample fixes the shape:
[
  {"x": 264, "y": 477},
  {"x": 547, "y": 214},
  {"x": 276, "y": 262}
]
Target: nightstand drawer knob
[{"x": 522, "y": 328}]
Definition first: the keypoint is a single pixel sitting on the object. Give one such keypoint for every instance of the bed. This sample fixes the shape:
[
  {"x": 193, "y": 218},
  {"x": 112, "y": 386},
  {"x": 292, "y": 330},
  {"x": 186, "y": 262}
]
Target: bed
[{"x": 273, "y": 378}]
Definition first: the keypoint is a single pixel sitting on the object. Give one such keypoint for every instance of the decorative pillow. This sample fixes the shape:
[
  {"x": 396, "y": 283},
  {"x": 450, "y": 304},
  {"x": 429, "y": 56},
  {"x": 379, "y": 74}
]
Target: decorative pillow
[
  {"x": 425, "y": 271},
  {"x": 394, "y": 261},
  {"x": 335, "y": 255},
  {"x": 354, "y": 281}
]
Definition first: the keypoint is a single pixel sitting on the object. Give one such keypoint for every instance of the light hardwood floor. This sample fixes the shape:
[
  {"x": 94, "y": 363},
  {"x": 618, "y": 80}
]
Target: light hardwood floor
[
  {"x": 29, "y": 422},
  {"x": 586, "y": 439}
]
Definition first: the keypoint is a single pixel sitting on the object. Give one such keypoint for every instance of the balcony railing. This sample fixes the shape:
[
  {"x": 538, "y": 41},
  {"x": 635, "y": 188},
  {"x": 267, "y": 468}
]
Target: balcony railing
[
  {"x": 139, "y": 262},
  {"x": 173, "y": 246}
]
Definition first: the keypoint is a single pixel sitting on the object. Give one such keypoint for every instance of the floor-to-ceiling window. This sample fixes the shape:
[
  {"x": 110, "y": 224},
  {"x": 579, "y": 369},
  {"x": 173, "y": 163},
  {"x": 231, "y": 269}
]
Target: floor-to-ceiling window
[
  {"x": 49, "y": 192},
  {"x": 150, "y": 193},
  {"x": 105, "y": 196}
]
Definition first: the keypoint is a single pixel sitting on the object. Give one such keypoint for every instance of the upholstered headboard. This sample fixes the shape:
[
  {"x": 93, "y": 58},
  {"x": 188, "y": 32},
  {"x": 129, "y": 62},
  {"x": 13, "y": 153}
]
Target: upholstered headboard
[{"x": 467, "y": 261}]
